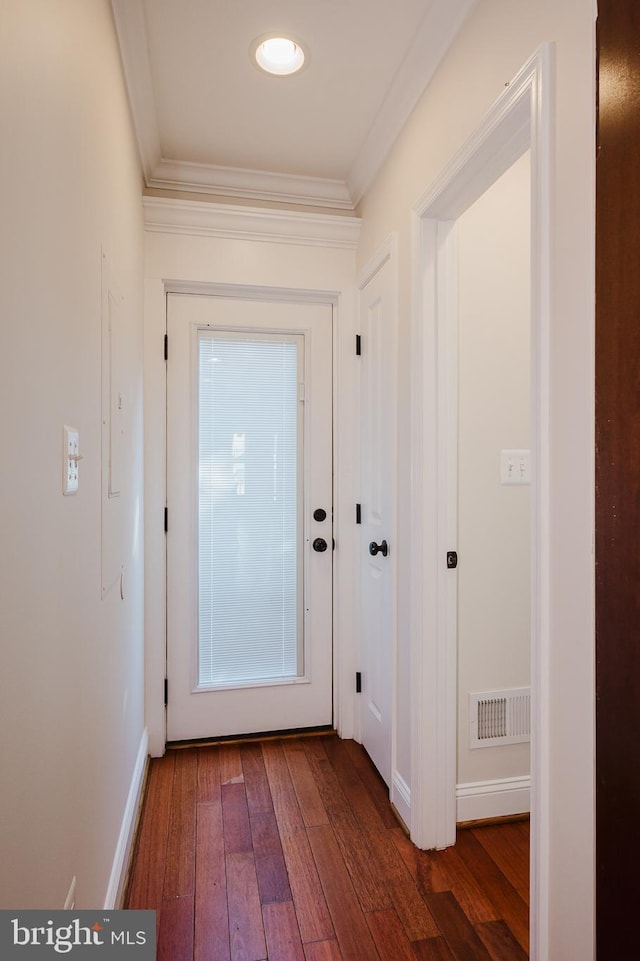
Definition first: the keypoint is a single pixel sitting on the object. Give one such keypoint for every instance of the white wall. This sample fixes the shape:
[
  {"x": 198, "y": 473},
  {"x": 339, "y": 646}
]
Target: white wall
[
  {"x": 499, "y": 37},
  {"x": 71, "y": 699},
  {"x": 494, "y": 413}
]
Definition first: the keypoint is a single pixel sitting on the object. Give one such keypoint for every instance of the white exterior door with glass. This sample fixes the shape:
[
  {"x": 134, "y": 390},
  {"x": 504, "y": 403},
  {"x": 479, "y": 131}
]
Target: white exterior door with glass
[{"x": 249, "y": 495}]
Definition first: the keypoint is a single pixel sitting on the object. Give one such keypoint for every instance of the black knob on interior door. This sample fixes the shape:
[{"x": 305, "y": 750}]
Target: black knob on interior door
[
  {"x": 381, "y": 548},
  {"x": 319, "y": 545}
]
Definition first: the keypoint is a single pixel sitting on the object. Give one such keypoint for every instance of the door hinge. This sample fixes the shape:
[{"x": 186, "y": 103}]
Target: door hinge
[
  {"x": 358, "y": 513},
  {"x": 166, "y": 346},
  {"x": 358, "y": 345},
  {"x": 166, "y": 519},
  {"x": 358, "y": 682},
  {"x": 452, "y": 560},
  {"x": 166, "y": 691}
]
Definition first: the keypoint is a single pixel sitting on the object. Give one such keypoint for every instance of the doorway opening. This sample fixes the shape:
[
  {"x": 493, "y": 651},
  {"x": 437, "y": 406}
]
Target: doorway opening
[
  {"x": 519, "y": 121},
  {"x": 493, "y": 539}
]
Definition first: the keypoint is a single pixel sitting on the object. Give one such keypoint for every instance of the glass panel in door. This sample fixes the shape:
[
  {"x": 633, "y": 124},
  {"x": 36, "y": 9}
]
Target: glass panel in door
[{"x": 250, "y": 443}]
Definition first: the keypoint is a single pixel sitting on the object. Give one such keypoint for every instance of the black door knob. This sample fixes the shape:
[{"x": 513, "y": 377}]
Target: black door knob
[
  {"x": 319, "y": 545},
  {"x": 382, "y": 548}
]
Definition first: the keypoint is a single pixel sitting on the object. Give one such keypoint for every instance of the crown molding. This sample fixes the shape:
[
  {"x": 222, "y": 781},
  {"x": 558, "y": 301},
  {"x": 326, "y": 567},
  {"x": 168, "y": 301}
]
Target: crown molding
[
  {"x": 437, "y": 30},
  {"x": 434, "y": 37},
  {"x": 134, "y": 53},
  {"x": 250, "y": 184},
  {"x": 165, "y": 215}
]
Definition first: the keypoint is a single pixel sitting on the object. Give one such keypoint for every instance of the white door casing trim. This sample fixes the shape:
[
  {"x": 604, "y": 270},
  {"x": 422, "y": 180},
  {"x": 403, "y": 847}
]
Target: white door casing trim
[
  {"x": 520, "y": 119},
  {"x": 155, "y": 459}
]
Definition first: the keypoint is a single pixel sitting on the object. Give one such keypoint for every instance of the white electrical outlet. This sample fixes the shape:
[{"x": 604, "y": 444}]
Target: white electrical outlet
[
  {"x": 515, "y": 467},
  {"x": 70, "y": 458},
  {"x": 70, "y": 903}
]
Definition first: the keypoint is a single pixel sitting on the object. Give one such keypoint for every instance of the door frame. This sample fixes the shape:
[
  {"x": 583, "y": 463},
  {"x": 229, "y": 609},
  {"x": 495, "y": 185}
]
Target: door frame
[
  {"x": 156, "y": 461},
  {"x": 520, "y": 119}
]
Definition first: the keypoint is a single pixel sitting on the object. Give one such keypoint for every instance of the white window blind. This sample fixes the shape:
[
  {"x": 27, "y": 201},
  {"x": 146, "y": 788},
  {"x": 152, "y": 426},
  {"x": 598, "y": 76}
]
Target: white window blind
[{"x": 249, "y": 508}]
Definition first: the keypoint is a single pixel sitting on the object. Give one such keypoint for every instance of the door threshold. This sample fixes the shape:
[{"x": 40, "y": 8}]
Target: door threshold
[{"x": 244, "y": 738}]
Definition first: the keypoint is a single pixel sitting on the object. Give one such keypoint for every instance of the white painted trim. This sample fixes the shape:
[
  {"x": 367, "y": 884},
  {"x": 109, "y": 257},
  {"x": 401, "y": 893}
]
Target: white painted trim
[
  {"x": 165, "y": 215},
  {"x": 117, "y": 879},
  {"x": 522, "y": 117},
  {"x": 155, "y": 499},
  {"x": 134, "y": 53},
  {"x": 493, "y": 799},
  {"x": 282, "y": 295},
  {"x": 434, "y": 513},
  {"x": 401, "y": 797},
  {"x": 434, "y": 36},
  {"x": 250, "y": 184}
]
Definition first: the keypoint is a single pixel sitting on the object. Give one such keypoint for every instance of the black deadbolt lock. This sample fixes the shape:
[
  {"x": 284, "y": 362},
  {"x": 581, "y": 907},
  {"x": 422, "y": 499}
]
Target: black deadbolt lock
[{"x": 319, "y": 514}]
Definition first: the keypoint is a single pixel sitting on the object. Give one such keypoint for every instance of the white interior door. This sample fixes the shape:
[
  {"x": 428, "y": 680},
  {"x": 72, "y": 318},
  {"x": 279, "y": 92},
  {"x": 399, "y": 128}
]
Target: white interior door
[
  {"x": 377, "y": 547},
  {"x": 249, "y": 496}
]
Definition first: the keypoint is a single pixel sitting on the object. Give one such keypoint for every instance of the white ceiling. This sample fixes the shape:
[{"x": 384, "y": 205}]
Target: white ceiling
[{"x": 208, "y": 120}]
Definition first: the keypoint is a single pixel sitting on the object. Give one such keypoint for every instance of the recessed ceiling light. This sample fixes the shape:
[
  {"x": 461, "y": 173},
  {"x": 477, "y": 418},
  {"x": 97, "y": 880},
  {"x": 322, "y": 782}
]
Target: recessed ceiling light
[{"x": 278, "y": 55}]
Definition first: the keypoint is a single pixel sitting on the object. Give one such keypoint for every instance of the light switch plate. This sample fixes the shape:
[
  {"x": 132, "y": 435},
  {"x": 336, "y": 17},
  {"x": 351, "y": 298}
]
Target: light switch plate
[
  {"x": 70, "y": 459},
  {"x": 515, "y": 467}
]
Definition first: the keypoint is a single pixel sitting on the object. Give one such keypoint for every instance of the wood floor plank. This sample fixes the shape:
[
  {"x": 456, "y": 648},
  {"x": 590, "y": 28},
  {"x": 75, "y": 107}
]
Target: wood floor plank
[
  {"x": 147, "y": 876},
  {"x": 246, "y": 930},
  {"x": 230, "y": 764},
  {"x": 353, "y": 786},
  {"x": 352, "y": 932},
  {"x": 256, "y": 782},
  {"x": 389, "y": 936},
  {"x": 499, "y": 942},
  {"x": 311, "y": 806},
  {"x": 339, "y": 775},
  {"x": 407, "y": 849},
  {"x": 446, "y": 871},
  {"x": 211, "y": 927},
  {"x": 308, "y": 895},
  {"x": 322, "y": 951},
  {"x": 235, "y": 817},
  {"x": 412, "y": 910},
  {"x": 175, "y": 942},
  {"x": 282, "y": 932},
  {"x": 208, "y": 775},
  {"x": 433, "y": 949},
  {"x": 506, "y": 845},
  {"x": 374, "y": 784},
  {"x": 285, "y": 800},
  {"x": 457, "y": 930},
  {"x": 510, "y": 906},
  {"x": 273, "y": 880},
  {"x": 354, "y": 845},
  {"x": 179, "y": 875}
]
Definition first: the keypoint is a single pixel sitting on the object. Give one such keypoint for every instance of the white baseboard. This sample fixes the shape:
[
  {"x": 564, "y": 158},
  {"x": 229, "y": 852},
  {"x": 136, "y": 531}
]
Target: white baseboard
[
  {"x": 492, "y": 799},
  {"x": 401, "y": 797},
  {"x": 125, "y": 840}
]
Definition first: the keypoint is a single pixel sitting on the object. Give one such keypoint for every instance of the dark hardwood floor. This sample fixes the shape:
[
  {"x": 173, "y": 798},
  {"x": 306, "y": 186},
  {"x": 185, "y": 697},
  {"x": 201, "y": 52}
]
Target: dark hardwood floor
[{"x": 288, "y": 850}]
